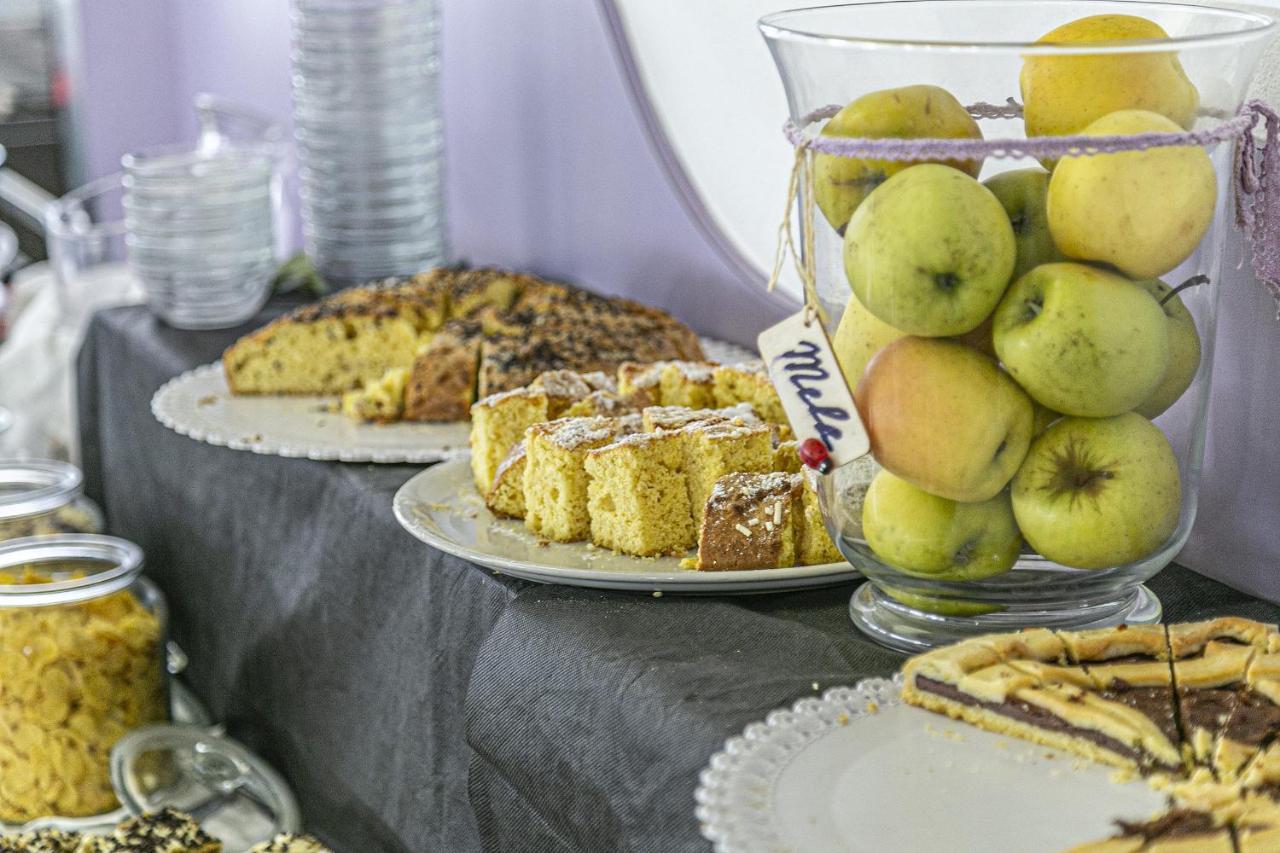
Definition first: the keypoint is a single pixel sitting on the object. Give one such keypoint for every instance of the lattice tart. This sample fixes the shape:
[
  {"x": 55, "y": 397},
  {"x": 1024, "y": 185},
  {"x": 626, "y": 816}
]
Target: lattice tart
[{"x": 1194, "y": 706}]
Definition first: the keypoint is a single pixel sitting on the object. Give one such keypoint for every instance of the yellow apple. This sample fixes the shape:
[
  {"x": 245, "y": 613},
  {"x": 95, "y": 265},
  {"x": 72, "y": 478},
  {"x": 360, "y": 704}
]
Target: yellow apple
[
  {"x": 1184, "y": 350},
  {"x": 841, "y": 183},
  {"x": 1064, "y": 94},
  {"x": 930, "y": 251},
  {"x": 944, "y": 417},
  {"x": 1081, "y": 340},
  {"x": 1098, "y": 492},
  {"x": 859, "y": 336},
  {"x": 925, "y": 535},
  {"x": 1143, "y": 212}
]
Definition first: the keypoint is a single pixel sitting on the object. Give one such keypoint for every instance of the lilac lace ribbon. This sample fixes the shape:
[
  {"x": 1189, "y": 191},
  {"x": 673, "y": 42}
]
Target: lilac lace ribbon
[{"x": 1257, "y": 162}]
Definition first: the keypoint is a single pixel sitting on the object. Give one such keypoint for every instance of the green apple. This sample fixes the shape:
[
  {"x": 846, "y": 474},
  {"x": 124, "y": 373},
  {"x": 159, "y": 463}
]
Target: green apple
[
  {"x": 938, "y": 604},
  {"x": 944, "y": 417},
  {"x": 859, "y": 336},
  {"x": 1098, "y": 492},
  {"x": 1042, "y": 418},
  {"x": 930, "y": 251},
  {"x": 1143, "y": 212},
  {"x": 1184, "y": 350},
  {"x": 1023, "y": 192},
  {"x": 1082, "y": 341},
  {"x": 925, "y": 535},
  {"x": 841, "y": 183},
  {"x": 1064, "y": 93}
]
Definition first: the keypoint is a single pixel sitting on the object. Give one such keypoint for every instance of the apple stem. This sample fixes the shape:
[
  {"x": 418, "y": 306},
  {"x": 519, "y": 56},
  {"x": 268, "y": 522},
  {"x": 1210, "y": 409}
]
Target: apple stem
[{"x": 1194, "y": 281}]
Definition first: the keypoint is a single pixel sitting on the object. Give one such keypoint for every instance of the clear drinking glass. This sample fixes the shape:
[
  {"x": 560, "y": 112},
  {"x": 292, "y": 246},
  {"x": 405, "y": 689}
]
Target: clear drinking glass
[
  {"x": 84, "y": 234},
  {"x": 1109, "y": 500}
]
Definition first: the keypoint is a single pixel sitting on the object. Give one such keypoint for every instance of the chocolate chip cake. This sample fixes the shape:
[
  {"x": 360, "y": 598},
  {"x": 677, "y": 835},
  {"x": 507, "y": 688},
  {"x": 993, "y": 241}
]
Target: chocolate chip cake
[{"x": 460, "y": 334}]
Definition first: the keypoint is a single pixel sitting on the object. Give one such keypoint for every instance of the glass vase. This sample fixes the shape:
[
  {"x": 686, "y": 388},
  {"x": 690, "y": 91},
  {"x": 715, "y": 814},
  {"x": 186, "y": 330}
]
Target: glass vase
[{"x": 1034, "y": 394}]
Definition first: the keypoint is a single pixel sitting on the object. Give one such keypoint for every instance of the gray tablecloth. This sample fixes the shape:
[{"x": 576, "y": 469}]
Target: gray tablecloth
[{"x": 417, "y": 702}]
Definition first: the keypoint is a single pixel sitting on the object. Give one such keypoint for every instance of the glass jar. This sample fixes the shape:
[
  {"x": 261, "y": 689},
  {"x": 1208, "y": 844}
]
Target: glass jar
[
  {"x": 82, "y": 640},
  {"x": 42, "y": 498},
  {"x": 1034, "y": 393}
]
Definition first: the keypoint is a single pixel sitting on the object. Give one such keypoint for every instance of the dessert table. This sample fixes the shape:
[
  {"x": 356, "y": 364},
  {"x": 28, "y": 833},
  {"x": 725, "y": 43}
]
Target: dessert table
[{"x": 415, "y": 701}]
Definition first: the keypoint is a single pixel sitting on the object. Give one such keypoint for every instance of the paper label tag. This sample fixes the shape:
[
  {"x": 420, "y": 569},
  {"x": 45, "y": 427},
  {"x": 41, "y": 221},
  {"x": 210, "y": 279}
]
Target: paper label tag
[{"x": 812, "y": 388}]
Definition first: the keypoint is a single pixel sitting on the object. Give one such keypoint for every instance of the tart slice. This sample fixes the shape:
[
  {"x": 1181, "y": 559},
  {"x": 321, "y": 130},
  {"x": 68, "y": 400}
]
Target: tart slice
[
  {"x": 1226, "y": 672},
  {"x": 1104, "y": 695},
  {"x": 1179, "y": 830}
]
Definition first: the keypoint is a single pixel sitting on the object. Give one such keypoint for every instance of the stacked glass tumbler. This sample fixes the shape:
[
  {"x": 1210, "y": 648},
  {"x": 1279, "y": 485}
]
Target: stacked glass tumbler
[
  {"x": 369, "y": 138},
  {"x": 198, "y": 233}
]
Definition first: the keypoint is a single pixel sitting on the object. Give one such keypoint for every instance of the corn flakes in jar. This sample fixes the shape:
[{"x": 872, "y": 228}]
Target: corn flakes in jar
[{"x": 81, "y": 663}]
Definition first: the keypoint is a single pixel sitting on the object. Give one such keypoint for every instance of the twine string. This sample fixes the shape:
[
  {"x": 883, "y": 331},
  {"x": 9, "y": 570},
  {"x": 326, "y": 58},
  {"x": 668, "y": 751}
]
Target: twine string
[{"x": 1256, "y": 169}]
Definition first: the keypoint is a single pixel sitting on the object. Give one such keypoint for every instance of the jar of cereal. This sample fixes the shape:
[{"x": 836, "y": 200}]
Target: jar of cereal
[
  {"x": 42, "y": 497},
  {"x": 82, "y": 640}
]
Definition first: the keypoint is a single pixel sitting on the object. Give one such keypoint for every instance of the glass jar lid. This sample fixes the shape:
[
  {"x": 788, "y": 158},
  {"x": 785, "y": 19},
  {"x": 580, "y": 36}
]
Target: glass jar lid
[
  {"x": 32, "y": 487},
  {"x": 78, "y": 567},
  {"x": 237, "y": 797}
]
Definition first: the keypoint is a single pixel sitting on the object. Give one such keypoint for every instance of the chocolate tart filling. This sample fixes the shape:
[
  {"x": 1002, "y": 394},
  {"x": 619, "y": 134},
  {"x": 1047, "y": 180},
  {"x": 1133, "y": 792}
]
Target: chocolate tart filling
[
  {"x": 1173, "y": 824},
  {"x": 1155, "y": 703},
  {"x": 1025, "y": 712}
]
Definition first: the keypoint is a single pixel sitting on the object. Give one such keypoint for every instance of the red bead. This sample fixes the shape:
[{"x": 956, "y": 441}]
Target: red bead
[{"x": 814, "y": 454}]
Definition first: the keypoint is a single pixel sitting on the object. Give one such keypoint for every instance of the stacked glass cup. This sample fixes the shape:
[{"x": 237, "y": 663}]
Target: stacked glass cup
[
  {"x": 369, "y": 139},
  {"x": 198, "y": 232}
]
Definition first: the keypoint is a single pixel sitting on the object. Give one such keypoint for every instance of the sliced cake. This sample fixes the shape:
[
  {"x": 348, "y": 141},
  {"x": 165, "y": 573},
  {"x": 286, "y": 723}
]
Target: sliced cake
[
  {"x": 378, "y": 402},
  {"x": 637, "y": 499},
  {"x": 749, "y": 383},
  {"x": 658, "y": 418},
  {"x": 500, "y": 420},
  {"x": 749, "y": 522},
  {"x": 506, "y": 496},
  {"x": 786, "y": 457},
  {"x": 339, "y": 344},
  {"x": 713, "y": 450},
  {"x": 813, "y": 543},
  {"x": 442, "y": 381},
  {"x": 555, "y": 476}
]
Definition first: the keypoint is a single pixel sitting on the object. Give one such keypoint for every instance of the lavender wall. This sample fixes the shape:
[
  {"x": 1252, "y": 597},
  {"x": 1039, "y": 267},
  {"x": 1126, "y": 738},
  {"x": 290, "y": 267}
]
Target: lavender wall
[{"x": 549, "y": 168}]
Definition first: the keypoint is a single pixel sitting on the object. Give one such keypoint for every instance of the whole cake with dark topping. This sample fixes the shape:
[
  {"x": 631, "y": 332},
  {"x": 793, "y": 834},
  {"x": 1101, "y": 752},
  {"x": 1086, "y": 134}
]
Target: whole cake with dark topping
[{"x": 460, "y": 334}]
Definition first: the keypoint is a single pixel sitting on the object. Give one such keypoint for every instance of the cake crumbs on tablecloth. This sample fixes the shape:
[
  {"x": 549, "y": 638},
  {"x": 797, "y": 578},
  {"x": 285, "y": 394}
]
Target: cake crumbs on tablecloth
[{"x": 207, "y": 400}]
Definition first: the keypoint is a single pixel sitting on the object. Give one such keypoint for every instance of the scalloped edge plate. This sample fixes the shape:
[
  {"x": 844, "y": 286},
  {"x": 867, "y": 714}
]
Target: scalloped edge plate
[
  {"x": 858, "y": 771},
  {"x": 442, "y": 508},
  {"x": 199, "y": 405}
]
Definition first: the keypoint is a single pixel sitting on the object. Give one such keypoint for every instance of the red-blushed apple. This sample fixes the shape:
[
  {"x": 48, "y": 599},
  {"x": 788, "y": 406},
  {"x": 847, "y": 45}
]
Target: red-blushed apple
[{"x": 944, "y": 417}]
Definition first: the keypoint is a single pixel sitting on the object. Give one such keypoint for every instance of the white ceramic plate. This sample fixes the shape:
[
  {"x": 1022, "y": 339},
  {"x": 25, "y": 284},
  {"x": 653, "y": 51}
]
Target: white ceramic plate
[
  {"x": 857, "y": 771},
  {"x": 199, "y": 404},
  {"x": 441, "y": 507}
]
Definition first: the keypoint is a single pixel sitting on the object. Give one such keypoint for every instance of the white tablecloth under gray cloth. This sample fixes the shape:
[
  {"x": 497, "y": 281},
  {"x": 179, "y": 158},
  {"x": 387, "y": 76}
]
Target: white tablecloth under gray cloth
[{"x": 417, "y": 702}]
